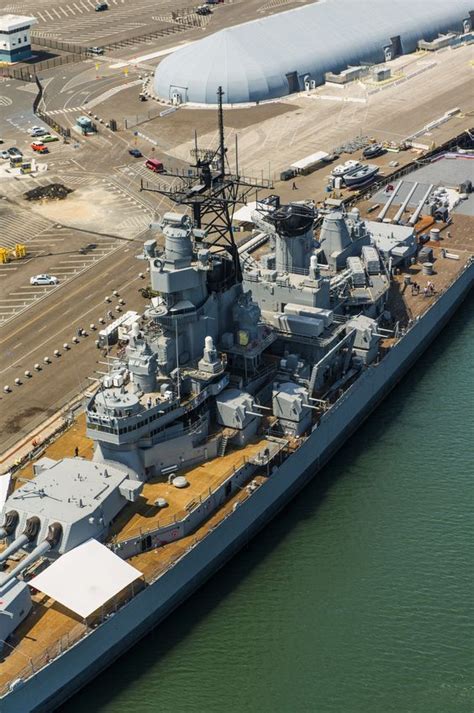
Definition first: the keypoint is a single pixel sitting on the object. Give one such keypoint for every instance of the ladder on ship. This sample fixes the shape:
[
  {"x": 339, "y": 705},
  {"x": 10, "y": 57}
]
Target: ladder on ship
[{"x": 222, "y": 446}]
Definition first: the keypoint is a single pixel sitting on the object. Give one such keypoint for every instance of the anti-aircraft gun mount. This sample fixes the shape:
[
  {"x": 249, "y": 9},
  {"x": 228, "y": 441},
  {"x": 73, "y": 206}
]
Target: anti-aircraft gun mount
[{"x": 212, "y": 191}]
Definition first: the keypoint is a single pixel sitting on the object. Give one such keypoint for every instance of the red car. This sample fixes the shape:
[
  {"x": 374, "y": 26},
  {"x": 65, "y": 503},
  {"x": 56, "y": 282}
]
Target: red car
[{"x": 39, "y": 147}]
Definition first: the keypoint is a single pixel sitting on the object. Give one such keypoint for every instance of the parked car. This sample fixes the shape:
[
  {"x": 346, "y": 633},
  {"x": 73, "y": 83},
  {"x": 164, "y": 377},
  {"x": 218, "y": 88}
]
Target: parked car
[
  {"x": 135, "y": 152},
  {"x": 87, "y": 248},
  {"x": 13, "y": 151},
  {"x": 204, "y": 10},
  {"x": 37, "y": 131},
  {"x": 48, "y": 138},
  {"x": 96, "y": 50},
  {"x": 101, "y": 6},
  {"x": 4, "y": 154},
  {"x": 39, "y": 147},
  {"x": 44, "y": 280}
]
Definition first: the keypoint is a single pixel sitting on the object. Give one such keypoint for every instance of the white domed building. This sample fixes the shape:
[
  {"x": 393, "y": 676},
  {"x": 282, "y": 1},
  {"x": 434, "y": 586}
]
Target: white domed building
[{"x": 273, "y": 57}]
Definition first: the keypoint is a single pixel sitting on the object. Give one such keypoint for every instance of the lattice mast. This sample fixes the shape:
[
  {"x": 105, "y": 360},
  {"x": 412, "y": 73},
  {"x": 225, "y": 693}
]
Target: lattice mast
[{"x": 212, "y": 191}]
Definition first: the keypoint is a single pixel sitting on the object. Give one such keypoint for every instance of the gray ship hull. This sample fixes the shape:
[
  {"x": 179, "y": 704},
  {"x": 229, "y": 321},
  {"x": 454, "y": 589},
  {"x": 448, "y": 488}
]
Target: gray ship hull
[{"x": 57, "y": 681}]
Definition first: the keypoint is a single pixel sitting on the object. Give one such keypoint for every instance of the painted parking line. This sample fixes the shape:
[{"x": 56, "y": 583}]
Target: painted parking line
[{"x": 27, "y": 294}]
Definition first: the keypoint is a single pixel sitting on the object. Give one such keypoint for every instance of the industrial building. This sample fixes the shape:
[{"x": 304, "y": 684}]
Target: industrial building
[
  {"x": 15, "y": 41},
  {"x": 292, "y": 51}
]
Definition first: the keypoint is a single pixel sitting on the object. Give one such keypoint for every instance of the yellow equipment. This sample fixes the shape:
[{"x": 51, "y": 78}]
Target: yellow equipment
[{"x": 6, "y": 254}]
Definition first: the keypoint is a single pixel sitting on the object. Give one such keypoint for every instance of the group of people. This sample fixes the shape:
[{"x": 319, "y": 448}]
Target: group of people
[{"x": 428, "y": 289}]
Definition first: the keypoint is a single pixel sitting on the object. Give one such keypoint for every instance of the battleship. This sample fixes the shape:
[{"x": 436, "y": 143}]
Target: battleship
[{"x": 250, "y": 366}]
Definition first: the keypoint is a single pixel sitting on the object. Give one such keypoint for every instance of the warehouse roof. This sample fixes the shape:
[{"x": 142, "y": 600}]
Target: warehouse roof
[{"x": 269, "y": 58}]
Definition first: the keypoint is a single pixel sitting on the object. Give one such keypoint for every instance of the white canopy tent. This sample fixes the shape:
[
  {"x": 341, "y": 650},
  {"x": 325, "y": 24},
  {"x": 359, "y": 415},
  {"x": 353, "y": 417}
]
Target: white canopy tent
[
  {"x": 306, "y": 163},
  {"x": 244, "y": 214},
  {"x": 4, "y": 487},
  {"x": 85, "y": 578}
]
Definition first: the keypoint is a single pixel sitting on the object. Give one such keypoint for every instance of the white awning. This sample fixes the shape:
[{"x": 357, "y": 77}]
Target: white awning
[
  {"x": 309, "y": 161},
  {"x": 85, "y": 578},
  {"x": 4, "y": 486},
  {"x": 244, "y": 214}
]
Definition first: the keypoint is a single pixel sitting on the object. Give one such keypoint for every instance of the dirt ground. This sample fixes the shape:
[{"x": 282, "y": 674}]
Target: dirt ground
[
  {"x": 176, "y": 128},
  {"x": 86, "y": 208}
]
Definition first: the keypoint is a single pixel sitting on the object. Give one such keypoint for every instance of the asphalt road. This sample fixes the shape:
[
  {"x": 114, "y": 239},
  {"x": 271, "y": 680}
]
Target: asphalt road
[{"x": 47, "y": 327}]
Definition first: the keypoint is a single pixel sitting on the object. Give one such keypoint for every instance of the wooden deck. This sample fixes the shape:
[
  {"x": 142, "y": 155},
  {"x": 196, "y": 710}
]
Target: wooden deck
[
  {"x": 63, "y": 447},
  {"x": 406, "y": 306},
  {"x": 144, "y": 515}
]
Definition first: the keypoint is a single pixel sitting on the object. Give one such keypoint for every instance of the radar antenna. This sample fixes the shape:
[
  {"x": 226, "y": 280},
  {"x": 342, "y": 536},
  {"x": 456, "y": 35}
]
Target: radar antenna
[{"x": 212, "y": 191}]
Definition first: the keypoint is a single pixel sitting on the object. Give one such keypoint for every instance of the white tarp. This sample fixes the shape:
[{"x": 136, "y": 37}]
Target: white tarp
[
  {"x": 309, "y": 161},
  {"x": 244, "y": 214},
  {"x": 85, "y": 578},
  {"x": 4, "y": 485}
]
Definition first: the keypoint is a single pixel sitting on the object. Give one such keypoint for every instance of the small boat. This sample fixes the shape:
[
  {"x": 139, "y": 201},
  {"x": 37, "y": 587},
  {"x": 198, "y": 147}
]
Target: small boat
[
  {"x": 344, "y": 168},
  {"x": 360, "y": 176},
  {"x": 373, "y": 150}
]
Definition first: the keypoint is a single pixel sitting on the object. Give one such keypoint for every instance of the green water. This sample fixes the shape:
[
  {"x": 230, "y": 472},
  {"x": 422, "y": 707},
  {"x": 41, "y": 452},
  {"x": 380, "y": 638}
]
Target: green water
[{"x": 358, "y": 598}]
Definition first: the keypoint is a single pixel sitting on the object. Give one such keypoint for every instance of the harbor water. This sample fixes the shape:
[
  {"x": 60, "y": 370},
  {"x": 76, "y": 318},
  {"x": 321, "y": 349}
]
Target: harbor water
[{"x": 357, "y": 598}]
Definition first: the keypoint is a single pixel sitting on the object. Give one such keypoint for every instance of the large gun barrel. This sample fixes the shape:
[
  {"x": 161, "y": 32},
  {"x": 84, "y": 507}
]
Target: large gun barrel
[
  {"x": 9, "y": 526},
  {"x": 29, "y": 533},
  {"x": 54, "y": 535}
]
